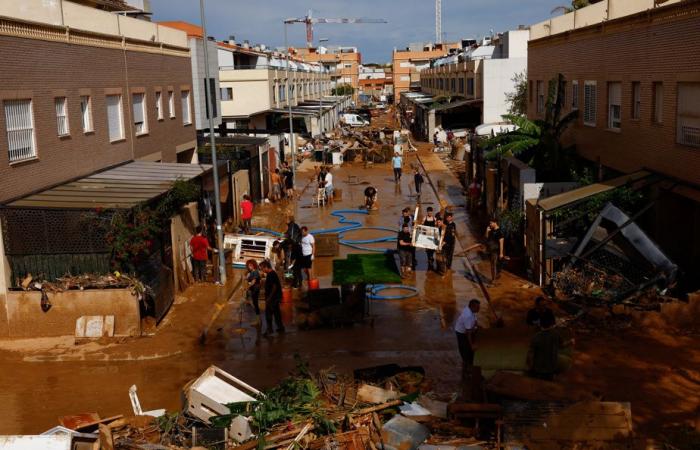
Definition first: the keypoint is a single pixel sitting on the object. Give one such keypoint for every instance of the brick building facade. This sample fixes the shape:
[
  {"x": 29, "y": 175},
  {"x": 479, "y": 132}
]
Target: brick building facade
[
  {"x": 635, "y": 80},
  {"x": 45, "y": 66}
]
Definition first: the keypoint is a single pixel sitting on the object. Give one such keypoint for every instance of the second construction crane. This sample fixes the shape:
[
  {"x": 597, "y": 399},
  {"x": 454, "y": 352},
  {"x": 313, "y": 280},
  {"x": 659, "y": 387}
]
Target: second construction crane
[{"x": 309, "y": 20}]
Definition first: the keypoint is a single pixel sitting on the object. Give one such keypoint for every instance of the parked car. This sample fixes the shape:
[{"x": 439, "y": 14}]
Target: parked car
[{"x": 354, "y": 120}]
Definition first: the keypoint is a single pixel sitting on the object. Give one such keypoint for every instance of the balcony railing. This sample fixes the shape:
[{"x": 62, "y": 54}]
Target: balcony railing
[{"x": 270, "y": 67}]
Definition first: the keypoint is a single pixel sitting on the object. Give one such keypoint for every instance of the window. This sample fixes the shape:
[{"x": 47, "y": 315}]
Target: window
[
  {"x": 453, "y": 86},
  {"x": 461, "y": 85},
  {"x": 540, "y": 97},
  {"x": 283, "y": 92},
  {"x": 347, "y": 66},
  {"x": 171, "y": 104},
  {"x": 159, "y": 105},
  {"x": 405, "y": 64},
  {"x": 115, "y": 118},
  {"x": 470, "y": 86},
  {"x": 86, "y": 113},
  {"x": 636, "y": 99},
  {"x": 226, "y": 94},
  {"x": 405, "y": 78},
  {"x": 574, "y": 94},
  {"x": 185, "y": 99},
  {"x": 138, "y": 107},
  {"x": 275, "y": 88},
  {"x": 62, "y": 116},
  {"x": 614, "y": 105},
  {"x": 19, "y": 121},
  {"x": 590, "y": 97},
  {"x": 658, "y": 89},
  {"x": 688, "y": 121}
]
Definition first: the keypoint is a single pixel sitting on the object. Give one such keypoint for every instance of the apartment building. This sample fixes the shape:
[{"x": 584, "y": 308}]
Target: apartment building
[
  {"x": 342, "y": 63},
  {"x": 632, "y": 70},
  {"x": 83, "y": 90},
  {"x": 409, "y": 62},
  {"x": 203, "y": 88},
  {"x": 258, "y": 86},
  {"x": 376, "y": 82},
  {"x": 481, "y": 73}
]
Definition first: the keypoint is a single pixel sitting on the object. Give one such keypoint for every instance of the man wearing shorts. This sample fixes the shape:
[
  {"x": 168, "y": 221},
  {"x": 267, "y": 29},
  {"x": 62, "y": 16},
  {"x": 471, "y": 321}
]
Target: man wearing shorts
[{"x": 308, "y": 250}]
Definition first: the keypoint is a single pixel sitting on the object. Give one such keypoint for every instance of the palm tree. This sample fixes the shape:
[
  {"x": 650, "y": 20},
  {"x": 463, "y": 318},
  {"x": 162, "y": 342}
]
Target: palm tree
[
  {"x": 538, "y": 142},
  {"x": 575, "y": 4}
]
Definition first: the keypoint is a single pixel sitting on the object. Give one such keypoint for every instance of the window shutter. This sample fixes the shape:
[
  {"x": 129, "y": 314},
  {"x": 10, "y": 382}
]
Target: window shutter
[
  {"x": 20, "y": 130},
  {"x": 138, "y": 108},
  {"x": 114, "y": 117}
]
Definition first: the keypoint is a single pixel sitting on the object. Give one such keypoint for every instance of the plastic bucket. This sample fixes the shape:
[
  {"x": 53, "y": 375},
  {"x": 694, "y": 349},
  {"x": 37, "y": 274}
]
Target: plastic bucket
[
  {"x": 314, "y": 284},
  {"x": 287, "y": 295}
]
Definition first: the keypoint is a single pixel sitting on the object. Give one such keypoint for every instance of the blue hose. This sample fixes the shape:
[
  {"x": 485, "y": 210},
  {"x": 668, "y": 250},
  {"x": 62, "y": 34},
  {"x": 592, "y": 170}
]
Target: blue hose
[{"x": 376, "y": 288}]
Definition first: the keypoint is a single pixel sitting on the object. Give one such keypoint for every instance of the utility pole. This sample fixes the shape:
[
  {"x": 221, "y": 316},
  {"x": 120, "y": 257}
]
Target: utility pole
[
  {"x": 212, "y": 141},
  {"x": 320, "y": 97},
  {"x": 292, "y": 141},
  {"x": 438, "y": 21}
]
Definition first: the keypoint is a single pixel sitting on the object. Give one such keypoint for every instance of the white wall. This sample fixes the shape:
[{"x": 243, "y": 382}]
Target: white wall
[
  {"x": 516, "y": 43},
  {"x": 497, "y": 82}
]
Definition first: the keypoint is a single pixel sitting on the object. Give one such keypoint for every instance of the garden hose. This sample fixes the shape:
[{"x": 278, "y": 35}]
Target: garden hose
[{"x": 374, "y": 289}]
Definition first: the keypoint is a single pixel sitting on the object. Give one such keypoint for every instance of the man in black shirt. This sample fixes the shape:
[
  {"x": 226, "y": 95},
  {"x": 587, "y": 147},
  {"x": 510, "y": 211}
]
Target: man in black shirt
[
  {"x": 292, "y": 237},
  {"x": 539, "y": 313},
  {"x": 273, "y": 298},
  {"x": 543, "y": 356},
  {"x": 494, "y": 246},
  {"x": 405, "y": 247},
  {"x": 449, "y": 240}
]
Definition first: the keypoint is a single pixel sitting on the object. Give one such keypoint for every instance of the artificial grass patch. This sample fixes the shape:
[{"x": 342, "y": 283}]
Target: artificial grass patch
[{"x": 365, "y": 268}]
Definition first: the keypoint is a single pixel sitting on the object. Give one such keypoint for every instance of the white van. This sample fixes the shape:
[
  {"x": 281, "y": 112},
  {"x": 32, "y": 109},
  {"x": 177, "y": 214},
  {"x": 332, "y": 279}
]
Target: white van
[{"x": 354, "y": 120}]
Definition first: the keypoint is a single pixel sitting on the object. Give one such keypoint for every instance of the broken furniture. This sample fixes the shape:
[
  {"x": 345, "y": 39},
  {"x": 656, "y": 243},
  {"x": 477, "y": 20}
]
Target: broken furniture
[
  {"x": 245, "y": 247},
  {"x": 136, "y": 405},
  {"x": 213, "y": 390}
]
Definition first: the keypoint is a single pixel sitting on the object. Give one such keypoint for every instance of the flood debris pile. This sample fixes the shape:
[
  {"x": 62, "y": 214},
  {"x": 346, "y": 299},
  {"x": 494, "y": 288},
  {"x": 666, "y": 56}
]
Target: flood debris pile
[{"x": 386, "y": 407}]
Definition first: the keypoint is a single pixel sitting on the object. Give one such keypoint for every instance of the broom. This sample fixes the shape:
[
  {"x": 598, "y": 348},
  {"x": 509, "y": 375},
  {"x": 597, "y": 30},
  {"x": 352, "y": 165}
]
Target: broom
[{"x": 498, "y": 320}]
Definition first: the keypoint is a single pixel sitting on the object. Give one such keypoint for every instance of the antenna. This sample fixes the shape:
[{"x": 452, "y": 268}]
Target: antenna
[{"x": 438, "y": 21}]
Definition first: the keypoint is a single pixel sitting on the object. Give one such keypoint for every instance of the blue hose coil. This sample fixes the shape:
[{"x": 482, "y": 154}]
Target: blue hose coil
[
  {"x": 349, "y": 225},
  {"x": 376, "y": 288}
]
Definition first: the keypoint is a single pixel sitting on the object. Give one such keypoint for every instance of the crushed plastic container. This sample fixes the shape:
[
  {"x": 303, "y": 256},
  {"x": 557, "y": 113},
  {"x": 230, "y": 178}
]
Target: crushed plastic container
[{"x": 401, "y": 433}]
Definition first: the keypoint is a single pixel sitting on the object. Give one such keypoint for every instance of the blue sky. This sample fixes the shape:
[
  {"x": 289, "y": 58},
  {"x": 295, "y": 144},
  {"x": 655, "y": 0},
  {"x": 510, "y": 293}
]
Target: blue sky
[{"x": 260, "y": 21}]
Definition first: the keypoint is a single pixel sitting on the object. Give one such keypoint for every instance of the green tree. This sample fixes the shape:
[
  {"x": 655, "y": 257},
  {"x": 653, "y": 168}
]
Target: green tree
[
  {"x": 575, "y": 4},
  {"x": 518, "y": 98},
  {"x": 343, "y": 89},
  {"x": 538, "y": 142}
]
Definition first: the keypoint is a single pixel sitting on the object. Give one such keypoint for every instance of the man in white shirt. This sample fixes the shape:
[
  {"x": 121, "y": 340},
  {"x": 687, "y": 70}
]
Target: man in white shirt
[
  {"x": 329, "y": 185},
  {"x": 397, "y": 164},
  {"x": 308, "y": 250},
  {"x": 465, "y": 328}
]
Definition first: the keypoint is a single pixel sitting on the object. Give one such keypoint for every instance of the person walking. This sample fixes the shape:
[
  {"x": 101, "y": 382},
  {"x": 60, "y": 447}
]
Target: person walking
[
  {"x": 253, "y": 285},
  {"x": 449, "y": 240},
  {"x": 417, "y": 180},
  {"x": 430, "y": 221},
  {"x": 474, "y": 192},
  {"x": 288, "y": 180},
  {"x": 405, "y": 247},
  {"x": 397, "y": 165},
  {"x": 246, "y": 214},
  {"x": 465, "y": 329},
  {"x": 273, "y": 298},
  {"x": 495, "y": 243},
  {"x": 308, "y": 252},
  {"x": 200, "y": 248}
]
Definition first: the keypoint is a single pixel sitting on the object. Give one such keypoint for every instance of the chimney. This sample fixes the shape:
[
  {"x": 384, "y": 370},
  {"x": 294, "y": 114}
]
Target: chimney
[
  {"x": 232, "y": 40},
  {"x": 246, "y": 44}
]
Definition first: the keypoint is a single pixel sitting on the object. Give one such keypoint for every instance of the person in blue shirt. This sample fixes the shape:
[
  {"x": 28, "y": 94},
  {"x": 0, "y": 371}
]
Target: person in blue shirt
[{"x": 397, "y": 164}]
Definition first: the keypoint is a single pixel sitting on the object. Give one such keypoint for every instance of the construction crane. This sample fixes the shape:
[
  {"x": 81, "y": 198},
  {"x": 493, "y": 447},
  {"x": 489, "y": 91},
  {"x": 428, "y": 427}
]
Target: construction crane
[
  {"x": 438, "y": 21},
  {"x": 309, "y": 20}
]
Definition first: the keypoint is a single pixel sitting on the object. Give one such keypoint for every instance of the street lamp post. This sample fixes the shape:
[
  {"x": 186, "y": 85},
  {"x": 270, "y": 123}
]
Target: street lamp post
[
  {"x": 320, "y": 97},
  {"x": 212, "y": 140},
  {"x": 292, "y": 142}
]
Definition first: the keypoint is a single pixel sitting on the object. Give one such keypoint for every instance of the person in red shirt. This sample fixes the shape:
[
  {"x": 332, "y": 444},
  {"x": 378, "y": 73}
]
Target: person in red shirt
[
  {"x": 246, "y": 213},
  {"x": 200, "y": 254}
]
